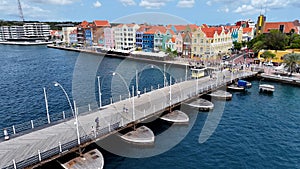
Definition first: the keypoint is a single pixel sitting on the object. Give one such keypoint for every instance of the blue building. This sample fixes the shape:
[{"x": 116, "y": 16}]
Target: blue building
[
  {"x": 148, "y": 42},
  {"x": 88, "y": 37}
]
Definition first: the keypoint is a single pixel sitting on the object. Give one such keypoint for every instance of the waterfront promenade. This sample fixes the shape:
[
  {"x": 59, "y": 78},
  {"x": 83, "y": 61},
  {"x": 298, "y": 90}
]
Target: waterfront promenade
[{"x": 52, "y": 141}]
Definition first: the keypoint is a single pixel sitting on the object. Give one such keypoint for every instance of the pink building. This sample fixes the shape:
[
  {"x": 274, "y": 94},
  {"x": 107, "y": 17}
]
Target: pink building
[{"x": 109, "y": 38}]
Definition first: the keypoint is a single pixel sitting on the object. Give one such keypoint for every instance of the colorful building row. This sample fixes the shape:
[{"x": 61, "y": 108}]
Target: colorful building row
[{"x": 187, "y": 40}]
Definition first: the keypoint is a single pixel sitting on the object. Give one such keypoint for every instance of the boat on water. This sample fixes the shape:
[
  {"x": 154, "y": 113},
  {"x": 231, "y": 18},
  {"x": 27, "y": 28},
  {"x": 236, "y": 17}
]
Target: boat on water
[
  {"x": 235, "y": 87},
  {"x": 266, "y": 88},
  {"x": 240, "y": 85},
  {"x": 91, "y": 159},
  {"x": 25, "y": 43}
]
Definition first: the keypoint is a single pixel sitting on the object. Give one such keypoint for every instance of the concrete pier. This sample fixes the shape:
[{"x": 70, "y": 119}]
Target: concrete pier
[
  {"x": 202, "y": 104},
  {"x": 91, "y": 159},
  {"x": 141, "y": 135},
  {"x": 176, "y": 116},
  {"x": 220, "y": 94}
]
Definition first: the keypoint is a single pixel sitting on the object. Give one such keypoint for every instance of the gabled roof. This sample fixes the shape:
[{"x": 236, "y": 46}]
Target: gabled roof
[
  {"x": 247, "y": 30},
  {"x": 210, "y": 32},
  {"x": 83, "y": 24},
  {"x": 101, "y": 23},
  {"x": 193, "y": 27},
  {"x": 288, "y": 26}
]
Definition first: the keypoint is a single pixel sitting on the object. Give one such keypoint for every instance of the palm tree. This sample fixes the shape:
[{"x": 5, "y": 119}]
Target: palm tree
[{"x": 291, "y": 60}]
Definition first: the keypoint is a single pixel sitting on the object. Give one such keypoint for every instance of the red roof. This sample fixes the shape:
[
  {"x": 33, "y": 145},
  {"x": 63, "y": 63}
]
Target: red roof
[
  {"x": 288, "y": 26},
  {"x": 193, "y": 27},
  {"x": 209, "y": 32},
  {"x": 101, "y": 23},
  {"x": 247, "y": 30},
  {"x": 84, "y": 24}
]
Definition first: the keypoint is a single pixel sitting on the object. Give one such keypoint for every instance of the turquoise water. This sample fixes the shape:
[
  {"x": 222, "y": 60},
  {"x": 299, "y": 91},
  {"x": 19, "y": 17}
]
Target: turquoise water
[{"x": 255, "y": 131}]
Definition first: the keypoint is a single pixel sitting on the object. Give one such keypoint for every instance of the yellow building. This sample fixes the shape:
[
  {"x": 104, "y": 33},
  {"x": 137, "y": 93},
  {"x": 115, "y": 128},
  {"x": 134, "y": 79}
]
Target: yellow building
[
  {"x": 210, "y": 41},
  {"x": 279, "y": 54}
]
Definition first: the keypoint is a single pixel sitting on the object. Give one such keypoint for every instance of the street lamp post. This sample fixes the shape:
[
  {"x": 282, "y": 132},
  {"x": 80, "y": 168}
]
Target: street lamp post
[
  {"x": 46, "y": 103},
  {"x": 164, "y": 75},
  {"x": 99, "y": 92},
  {"x": 59, "y": 85}
]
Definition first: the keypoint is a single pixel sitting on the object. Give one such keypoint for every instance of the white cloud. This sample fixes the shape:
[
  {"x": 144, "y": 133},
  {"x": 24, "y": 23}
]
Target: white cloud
[
  {"x": 224, "y": 9},
  {"x": 153, "y": 4},
  {"x": 55, "y": 2},
  {"x": 128, "y": 2},
  {"x": 97, "y": 4},
  {"x": 209, "y": 3},
  {"x": 186, "y": 3}
]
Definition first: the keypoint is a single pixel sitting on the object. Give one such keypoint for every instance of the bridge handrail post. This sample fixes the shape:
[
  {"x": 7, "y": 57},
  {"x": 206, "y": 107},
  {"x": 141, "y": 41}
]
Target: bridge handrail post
[
  {"x": 64, "y": 115},
  {"x": 60, "y": 148},
  {"x": 90, "y": 107},
  {"x": 14, "y": 162},
  {"x": 32, "y": 126},
  {"x": 14, "y": 129},
  {"x": 40, "y": 157}
]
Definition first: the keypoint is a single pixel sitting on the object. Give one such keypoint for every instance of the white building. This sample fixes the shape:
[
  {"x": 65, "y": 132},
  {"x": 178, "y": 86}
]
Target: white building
[
  {"x": 125, "y": 36},
  {"x": 66, "y": 33},
  {"x": 36, "y": 30},
  {"x": 27, "y": 31}
]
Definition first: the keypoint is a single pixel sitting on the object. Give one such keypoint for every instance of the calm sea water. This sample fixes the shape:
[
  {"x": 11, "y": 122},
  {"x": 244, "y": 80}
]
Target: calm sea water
[{"x": 255, "y": 130}]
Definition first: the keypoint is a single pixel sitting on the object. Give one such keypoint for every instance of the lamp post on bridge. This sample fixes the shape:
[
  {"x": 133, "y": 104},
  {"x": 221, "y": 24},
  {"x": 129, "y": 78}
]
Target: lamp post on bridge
[
  {"x": 74, "y": 111},
  {"x": 56, "y": 84}
]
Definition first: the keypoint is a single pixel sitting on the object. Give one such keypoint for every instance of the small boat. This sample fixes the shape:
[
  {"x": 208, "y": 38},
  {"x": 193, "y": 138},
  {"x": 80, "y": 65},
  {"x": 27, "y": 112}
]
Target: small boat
[
  {"x": 266, "y": 88},
  {"x": 91, "y": 159},
  {"x": 244, "y": 83},
  {"x": 235, "y": 87}
]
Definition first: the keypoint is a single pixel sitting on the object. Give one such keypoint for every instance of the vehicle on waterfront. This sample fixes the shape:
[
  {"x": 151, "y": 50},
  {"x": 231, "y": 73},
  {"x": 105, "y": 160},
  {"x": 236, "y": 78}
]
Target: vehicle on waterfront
[{"x": 268, "y": 64}]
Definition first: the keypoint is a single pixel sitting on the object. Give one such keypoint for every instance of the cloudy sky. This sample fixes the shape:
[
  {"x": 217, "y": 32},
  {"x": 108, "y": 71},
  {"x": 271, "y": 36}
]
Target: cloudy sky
[{"x": 192, "y": 11}]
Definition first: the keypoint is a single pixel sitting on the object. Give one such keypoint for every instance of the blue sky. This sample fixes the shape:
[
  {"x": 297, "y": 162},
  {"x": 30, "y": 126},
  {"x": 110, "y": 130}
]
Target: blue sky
[{"x": 151, "y": 11}]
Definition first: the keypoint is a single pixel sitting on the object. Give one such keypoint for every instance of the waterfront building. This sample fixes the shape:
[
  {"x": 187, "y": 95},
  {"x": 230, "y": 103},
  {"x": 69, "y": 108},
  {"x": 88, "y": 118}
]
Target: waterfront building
[
  {"x": 73, "y": 37},
  {"x": 139, "y": 36},
  {"x": 210, "y": 41},
  {"x": 260, "y": 25},
  {"x": 171, "y": 44},
  {"x": 56, "y": 35},
  {"x": 98, "y": 27},
  {"x": 236, "y": 33},
  {"x": 284, "y": 27},
  {"x": 28, "y": 32},
  {"x": 161, "y": 36},
  {"x": 248, "y": 34},
  {"x": 5, "y": 33},
  {"x": 66, "y": 34},
  {"x": 179, "y": 43},
  {"x": 183, "y": 28},
  {"x": 148, "y": 40},
  {"x": 84, "y": 25},
  {"x": 125, "y": 36},
  {"x": 109, "y": 38},
  {"x": 187, "y": 44}
]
